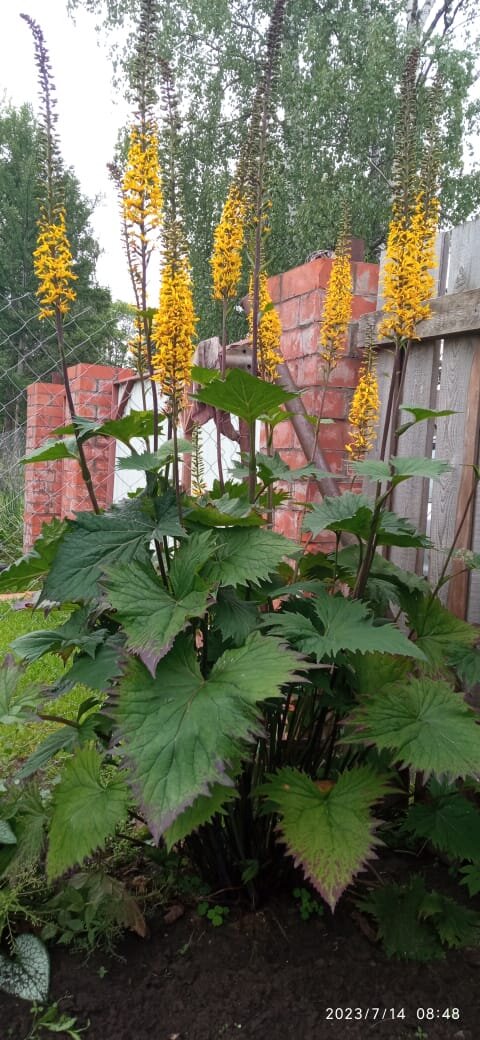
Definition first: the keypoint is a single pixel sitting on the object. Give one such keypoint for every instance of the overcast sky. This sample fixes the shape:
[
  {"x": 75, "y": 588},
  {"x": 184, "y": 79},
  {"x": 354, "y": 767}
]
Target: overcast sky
[{"x": 89, "y": 113}]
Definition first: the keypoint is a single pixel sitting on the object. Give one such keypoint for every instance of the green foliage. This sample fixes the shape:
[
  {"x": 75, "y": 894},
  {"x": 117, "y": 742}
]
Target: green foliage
[
  {"x": 199, "y": 720},
  {"x": 52, "y": 1020},
  {"x": 95, "y": 332},
  {"x": 150, "y": 615},
  {"x": 244, "y": 395},
  {"x": 90, "y": 545},
  {"x": 87, "y": 807},
  {"x": 307, "y": 905},
  {"x": 338, "y": 101},
  {"x": 339, "y": 624},
  {"x": 415, "y": 924},
  {"x": 327, "y": 827},
  {"x": 11, "y": 524},
  {"x": 425, "y": 725},
  {"x": 179, "y": 732},
  {"x": 217, "y": 914},
  {"x": 449, "y": 821},
  {"x": 91, "y": 911},
  {"x": 438, "y": 632},
  {"x": 27, "y": 973},
  {"x": 27, "y": 571}
]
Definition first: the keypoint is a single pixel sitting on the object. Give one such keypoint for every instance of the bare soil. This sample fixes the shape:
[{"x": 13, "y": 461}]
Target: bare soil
[{"x": 261, "y": 976}]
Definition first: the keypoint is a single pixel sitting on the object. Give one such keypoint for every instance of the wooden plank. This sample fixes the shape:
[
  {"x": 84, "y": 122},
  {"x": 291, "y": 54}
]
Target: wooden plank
[
  {"x": 451, "y": 316},
  {"x": 473, "y": 610},
  {"x": 457, "y": 363},
  {"x": 384, "y": 363},
  {"x": 410, "y": 499},
  {"x": 464, "y": 270},
  {"x": 459, "y": 586}
]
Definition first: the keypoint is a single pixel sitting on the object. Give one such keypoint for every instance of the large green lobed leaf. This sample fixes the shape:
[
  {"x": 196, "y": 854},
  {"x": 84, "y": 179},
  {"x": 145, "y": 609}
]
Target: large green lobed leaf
[
  {"x": 327, "y": 828},
  {"x": 426, "y": 726},
  {"x": 87, "y": 808},
  {"x": 180, "y": 733}
]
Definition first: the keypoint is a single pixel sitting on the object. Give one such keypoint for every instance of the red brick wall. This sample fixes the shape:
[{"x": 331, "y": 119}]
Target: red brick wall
[
  {"x": 56, "y": 489},
  {"x": 299, "y": 295}
]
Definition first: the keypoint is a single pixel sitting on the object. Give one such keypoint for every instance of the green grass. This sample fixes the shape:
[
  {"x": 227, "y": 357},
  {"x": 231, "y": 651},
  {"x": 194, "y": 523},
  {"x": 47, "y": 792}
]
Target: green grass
[{"x": 18, "y": 742}]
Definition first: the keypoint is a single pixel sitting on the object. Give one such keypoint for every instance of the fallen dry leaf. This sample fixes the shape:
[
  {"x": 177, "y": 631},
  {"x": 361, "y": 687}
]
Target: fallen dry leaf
[{"x": 173, "y": 913}]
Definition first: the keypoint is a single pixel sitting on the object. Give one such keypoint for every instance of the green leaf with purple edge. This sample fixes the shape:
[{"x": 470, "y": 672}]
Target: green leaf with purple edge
[
  {"x": 151, "y": 617},
  {"x": 88, "y": 805},
  {"x": 327, "y": 827},
  {"x": 181, "y": 734},
  {"x": 425, "y": 725}
]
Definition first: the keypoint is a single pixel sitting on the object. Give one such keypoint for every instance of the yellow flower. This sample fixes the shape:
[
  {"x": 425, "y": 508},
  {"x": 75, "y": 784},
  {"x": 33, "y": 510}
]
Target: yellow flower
[
  {"x": 337, "y": 308},
  {"x": 52, "y": 262},
  {"x": 269, "y": 332},
  {"x": 408, "y": 282},
  {"x": 364, "y": 410},
  {"x": 228, "y": 243},
  {"x": 174, "y": 329},
  {"x": 141, "y": 187}
]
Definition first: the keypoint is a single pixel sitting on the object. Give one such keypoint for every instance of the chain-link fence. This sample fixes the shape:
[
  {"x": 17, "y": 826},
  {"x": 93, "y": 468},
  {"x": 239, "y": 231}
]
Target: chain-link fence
[{"x": 28, "y": 354}]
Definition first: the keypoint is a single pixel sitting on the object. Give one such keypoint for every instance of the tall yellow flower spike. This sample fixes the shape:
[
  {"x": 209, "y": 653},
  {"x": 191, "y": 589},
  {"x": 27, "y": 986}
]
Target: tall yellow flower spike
[
  {"x": 408, "y": 282},
  {"x": 53, "y": 263},
  {"x": 364, "y": 411},
  {"x": 269, "y": 332},
  {"x": 173, "y": 330},
  {"x": 141, "y": 188},
  {"x": 228, "y": 241},
  {"x": 337, "y": 308}
]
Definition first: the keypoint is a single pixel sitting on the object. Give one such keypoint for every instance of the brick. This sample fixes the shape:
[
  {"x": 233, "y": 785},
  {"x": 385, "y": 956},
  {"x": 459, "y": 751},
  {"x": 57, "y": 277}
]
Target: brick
[
  {"x": 287, "y": 522},
  {"x": 310, "y": 336},
  {"x": 346, "y": 372},
  {"x": 291, "y": 345},
  {"x": 284, "y": 436},
  {"x": 333, "y": 403},
  {"x": 289, "y": 311},
  {"x": 103, "y": 402},
  {"x": 308, "y": 371},
  {"x": 304, "y": 279},
  {"x": 360, "y": 306},
  {"x": 333, "y": 436},
  {"x": 275, "y": 288},
  {"x": 311, "y": 306},
  {"x": 334, "y": 460},
  {"x": 294, "y": 457},
  {"x": 365, "y": 279}
]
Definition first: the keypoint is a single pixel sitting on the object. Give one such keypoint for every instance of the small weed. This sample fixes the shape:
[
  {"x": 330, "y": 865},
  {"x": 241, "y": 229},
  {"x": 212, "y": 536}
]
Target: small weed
[
  {"x": 307, "y": 905},
  {"x": 215, "y": 914},
  {"x": 102, "y": 971},
  {"x": 51, "y": 1020},
  {"x": 420, "y": 1034}
]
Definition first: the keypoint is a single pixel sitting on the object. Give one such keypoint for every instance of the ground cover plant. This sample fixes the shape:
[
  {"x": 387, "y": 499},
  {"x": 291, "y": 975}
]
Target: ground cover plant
[{"x": 256, "y": 705}]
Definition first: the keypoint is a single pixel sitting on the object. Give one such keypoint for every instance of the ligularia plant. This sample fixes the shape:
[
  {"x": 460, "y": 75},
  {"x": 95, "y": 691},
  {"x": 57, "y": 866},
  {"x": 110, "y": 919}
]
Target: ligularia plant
[{"x": 245, "y": 698}]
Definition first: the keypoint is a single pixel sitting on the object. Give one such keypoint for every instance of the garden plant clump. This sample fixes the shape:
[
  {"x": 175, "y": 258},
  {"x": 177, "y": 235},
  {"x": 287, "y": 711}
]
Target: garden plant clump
[{"x": 267, "y": 714}]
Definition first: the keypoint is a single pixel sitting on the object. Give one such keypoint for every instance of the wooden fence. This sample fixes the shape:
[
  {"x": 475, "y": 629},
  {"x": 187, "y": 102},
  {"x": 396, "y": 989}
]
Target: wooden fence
[{"x": 443, "y": 372}]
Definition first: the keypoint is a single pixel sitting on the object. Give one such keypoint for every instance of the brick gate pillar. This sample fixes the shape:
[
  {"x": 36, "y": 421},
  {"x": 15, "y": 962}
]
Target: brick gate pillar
[
  {"x": 298, "y": 296},
  {"x": 56, "y": 489}
]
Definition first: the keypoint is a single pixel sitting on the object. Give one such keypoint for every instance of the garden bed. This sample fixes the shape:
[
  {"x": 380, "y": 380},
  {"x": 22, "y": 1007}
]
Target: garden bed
[{"x": 261, "y": 975}]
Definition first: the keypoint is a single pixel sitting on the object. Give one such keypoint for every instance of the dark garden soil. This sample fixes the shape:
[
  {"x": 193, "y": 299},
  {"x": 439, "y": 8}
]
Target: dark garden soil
[{"x": 263, "y": 976}]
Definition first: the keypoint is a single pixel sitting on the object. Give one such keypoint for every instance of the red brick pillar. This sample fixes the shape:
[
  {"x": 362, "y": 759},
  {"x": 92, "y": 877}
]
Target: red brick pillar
[
  {"x": 299, "y": 295},
  {"x": 56, "y": 489},
  {"x": 43, "y": 480},
  {"x": 94, "y": 393}
]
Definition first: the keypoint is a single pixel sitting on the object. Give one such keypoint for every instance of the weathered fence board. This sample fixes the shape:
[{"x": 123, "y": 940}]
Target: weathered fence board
[
  {"x": 443, "y": 372},
  {"x": 410, "y": 499}
]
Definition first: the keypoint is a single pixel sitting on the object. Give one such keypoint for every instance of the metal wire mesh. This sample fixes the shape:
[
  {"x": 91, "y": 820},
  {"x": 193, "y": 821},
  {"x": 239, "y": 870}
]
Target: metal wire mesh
[{"x": 34, "y": 351}]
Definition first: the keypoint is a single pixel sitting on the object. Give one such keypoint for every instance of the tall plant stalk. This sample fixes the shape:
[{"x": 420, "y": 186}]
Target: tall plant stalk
[{"x": 52, "y": 258}]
